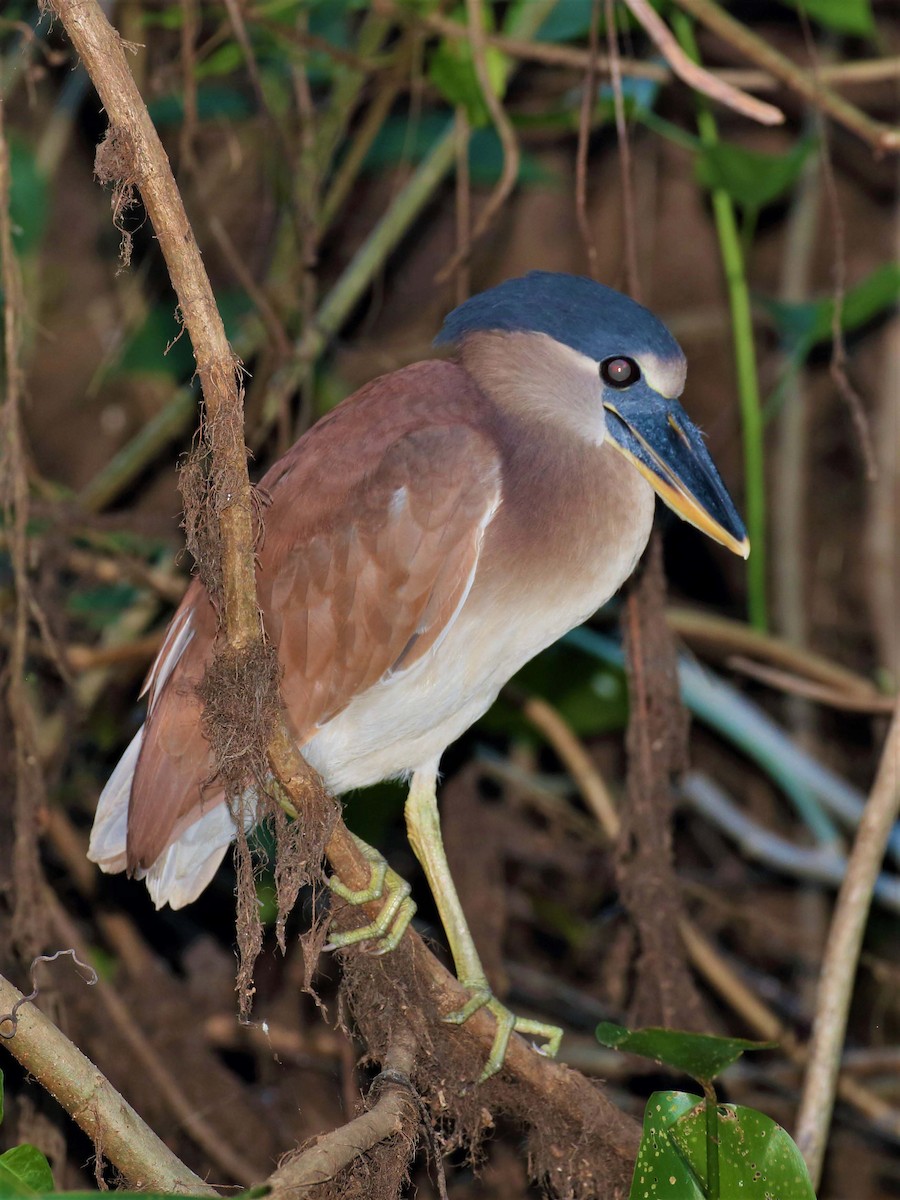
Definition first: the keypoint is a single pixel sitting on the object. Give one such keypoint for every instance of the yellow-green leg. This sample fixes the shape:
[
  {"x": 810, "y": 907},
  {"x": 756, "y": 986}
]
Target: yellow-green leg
[
  {"x": 424, "y": 832},
  {"x": 396, "y": 912}
]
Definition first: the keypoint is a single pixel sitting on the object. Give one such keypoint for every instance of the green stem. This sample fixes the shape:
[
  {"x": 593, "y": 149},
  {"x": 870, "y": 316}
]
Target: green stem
[
  {"x": 712, "y": 1140},
  {"x": 744, "y": 354}
]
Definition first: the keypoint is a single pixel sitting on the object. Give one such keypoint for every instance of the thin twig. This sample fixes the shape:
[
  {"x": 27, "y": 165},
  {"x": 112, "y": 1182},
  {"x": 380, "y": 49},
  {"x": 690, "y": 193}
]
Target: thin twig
[
  {"x": 190, "y": 28},
  {"x": 27, "y": 919},
  {"x": 791, "y": 450},
  {"x": 511, "y": 154},
  {"x": 507, "y": 135},
  {"x": 839, "y": 357},
  {"x": 726, "y": 636},
  {"x": 842, "y": 955},
  {"x": 463, "y": 205},
  {"x": 796, "y": 685},
  {"x": 261, "y": 302},
  {"x": 735, "y": 269},
  {"x": 623, "y": 143},
  {"x": 347, "y": 171},
  {"x": 239, "y": 28},
  {"x": 584, "y": 141},
  {"x": 577, "y": 761},
  {"x": 555, "y": 55},
  {"x": 694, "y": 75}
]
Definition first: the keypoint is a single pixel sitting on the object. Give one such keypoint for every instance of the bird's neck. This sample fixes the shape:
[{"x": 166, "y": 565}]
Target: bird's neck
[
  {"x": 571, "y": 502},
  {"x": 534, "y": 381}
]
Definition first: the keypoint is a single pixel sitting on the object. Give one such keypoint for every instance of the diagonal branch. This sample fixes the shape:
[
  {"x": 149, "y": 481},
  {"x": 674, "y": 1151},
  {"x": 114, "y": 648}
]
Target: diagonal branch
[
  {"x": 91, "y": 1100},
  {"x": 882, "y": 137},
  {"x": 696, "y": 76},
  {"x": 842, "y": 955}
]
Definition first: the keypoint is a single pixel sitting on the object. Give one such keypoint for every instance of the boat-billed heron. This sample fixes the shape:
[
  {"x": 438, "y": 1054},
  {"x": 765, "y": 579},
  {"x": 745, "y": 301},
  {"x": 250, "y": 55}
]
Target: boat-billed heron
[{"x": 422, "y": 542}]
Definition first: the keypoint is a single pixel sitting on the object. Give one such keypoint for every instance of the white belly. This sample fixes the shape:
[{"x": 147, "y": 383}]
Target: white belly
[{"x": 407, "y": 720}]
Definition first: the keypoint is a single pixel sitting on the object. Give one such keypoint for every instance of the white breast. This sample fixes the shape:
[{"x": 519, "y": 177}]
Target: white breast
[{"x": 408, "y": 719}]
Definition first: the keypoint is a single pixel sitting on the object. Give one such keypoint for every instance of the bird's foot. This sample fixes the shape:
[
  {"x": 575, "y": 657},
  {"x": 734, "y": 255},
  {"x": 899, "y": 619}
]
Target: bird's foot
[
  {"x": 396, "y": 912},
  {"x": 507, "y": 1024}
]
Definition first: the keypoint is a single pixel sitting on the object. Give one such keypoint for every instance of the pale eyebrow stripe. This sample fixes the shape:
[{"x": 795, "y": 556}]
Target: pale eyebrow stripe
[{"x": 665, "y": 375}]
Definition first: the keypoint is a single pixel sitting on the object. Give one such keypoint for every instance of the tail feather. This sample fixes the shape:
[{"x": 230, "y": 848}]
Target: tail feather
[
  {"x": 109, "y": 836},
  {"x": 185, "y": 867}
]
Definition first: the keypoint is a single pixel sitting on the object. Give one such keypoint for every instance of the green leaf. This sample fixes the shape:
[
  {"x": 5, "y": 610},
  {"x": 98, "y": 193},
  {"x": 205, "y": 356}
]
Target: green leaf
[
  {"x": 803, "y": 326},
  {"x": 24, "y": 1171},
  {"x": 662, "y": 1168},
  {"x": 214, "y": 100},
  {"x": 401, "y": 140},
  {"x": 700, "y": 1055},
  {"x": 758, "y": 1160},
  {"x": 101, "y": 606},
  {"x": 752, "y": 179},
  {"x": 27, "y": 198},
  {"x": 161, "y": 346},
  {"x": 592, "y": 700},
  {"x": 843, "y": 16},
  {"x": 570, "y": 20},
  {"x": 486, "y": 162},
  {"x": 452, "y": 72}
]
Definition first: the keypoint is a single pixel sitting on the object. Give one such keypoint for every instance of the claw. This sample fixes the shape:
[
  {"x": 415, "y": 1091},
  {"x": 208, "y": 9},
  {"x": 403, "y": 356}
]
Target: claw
[
  {"x": 507, "y": 1024},
  {"x": 396, "y": 912}
]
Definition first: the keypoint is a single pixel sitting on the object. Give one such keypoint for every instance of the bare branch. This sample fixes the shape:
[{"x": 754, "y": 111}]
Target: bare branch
[
  {"x": 92, "y": 1101},
  {"x": 696, "y": 76},
  {"x": 885, "y": 138},
  {"x": 842, "y": 955},
  {"x": 395, "y": 1113}
]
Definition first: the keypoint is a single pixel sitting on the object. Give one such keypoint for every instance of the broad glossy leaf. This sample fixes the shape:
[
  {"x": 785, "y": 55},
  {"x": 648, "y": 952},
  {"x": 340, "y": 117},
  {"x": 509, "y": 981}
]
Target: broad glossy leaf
[
  {"x": 758, "y": 1160},
  {"x": 662, "y": 1168},
  {"x": 803, "y": 326},
  {"x": 24, "y": 1170},
  {"x": 843, "y": 16},
  {"x": 700, "y": 1055},
  {"x": 751, "y": 178}
]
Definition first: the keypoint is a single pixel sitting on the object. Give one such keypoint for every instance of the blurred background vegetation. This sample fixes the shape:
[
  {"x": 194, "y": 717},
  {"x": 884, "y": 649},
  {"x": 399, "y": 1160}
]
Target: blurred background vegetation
[{"x": 334, "y": 155}]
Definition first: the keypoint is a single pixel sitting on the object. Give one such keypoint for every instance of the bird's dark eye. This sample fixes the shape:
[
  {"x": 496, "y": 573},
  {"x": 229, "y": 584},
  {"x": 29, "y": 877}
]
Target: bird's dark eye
[{"x": 620, "y": 372}]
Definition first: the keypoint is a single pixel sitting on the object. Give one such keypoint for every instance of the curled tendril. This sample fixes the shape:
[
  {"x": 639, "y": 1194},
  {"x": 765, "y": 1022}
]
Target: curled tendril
[{"x": 12, "y": 1018}]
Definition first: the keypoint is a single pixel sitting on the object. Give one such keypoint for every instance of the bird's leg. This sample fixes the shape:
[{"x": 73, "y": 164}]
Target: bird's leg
[
  {"x": 424, "y": 832},
  {"x": 396, "y": 913}
]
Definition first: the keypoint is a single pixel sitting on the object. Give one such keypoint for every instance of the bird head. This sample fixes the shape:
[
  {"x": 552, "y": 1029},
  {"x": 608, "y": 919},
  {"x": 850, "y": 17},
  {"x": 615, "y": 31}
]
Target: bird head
[{"x": 637, "y": 372}]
